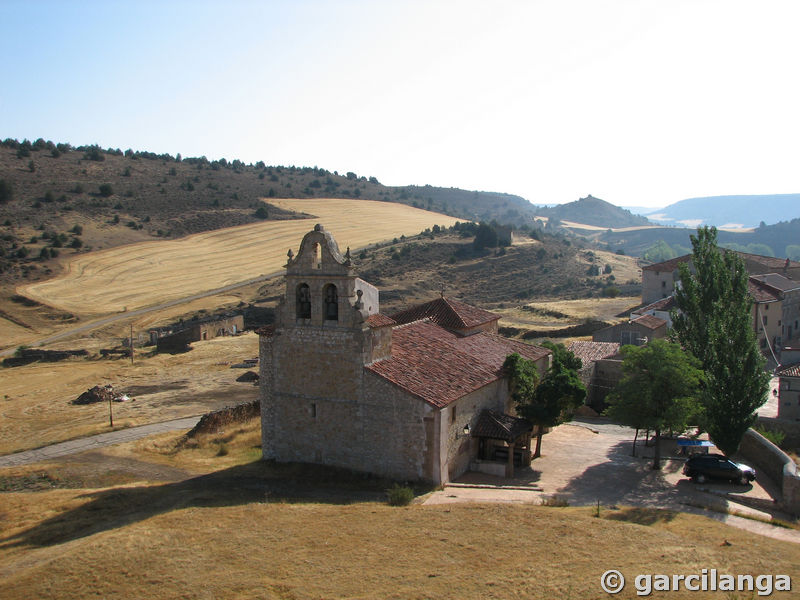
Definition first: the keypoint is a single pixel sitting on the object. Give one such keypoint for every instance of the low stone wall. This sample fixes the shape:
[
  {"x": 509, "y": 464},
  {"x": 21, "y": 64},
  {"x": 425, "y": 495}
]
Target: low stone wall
[
  {"x": 773, "y": 462},
  {"x": 214, "y": 421},
  {"x": 790, "y": 428}
]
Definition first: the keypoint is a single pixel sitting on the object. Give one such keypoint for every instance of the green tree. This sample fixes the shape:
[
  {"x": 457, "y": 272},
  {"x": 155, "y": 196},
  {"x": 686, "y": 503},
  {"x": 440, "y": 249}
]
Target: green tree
[
  {"x": 658, "y": 390},
  {"x": 659, "y": 252},
  {"x": 6, "y": 191},
  {"x": 557, "y": 396},
  {"x": 792, "y": 250},
  {"x": 713, "y": 321},
  {"x": 485, "y": 237},
  {"x": 262, "y": 212}
]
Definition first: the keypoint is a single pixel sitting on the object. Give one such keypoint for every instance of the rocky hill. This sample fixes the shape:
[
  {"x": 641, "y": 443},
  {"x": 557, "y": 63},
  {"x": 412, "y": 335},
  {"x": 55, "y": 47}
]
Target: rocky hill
[{"x": 594, "y": 211}]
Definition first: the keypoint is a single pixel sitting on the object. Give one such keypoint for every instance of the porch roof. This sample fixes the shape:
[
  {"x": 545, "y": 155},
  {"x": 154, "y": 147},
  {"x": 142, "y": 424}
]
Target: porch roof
[{"x": 500, "y": 426}]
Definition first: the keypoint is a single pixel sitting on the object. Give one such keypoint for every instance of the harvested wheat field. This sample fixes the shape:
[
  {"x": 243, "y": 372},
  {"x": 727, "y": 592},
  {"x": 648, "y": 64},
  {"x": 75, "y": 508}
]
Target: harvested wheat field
[{"x": 150, "y": 273}]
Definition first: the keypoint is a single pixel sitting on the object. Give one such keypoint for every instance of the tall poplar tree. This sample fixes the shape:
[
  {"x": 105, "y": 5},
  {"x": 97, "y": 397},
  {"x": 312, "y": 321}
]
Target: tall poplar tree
[{"x": 713, "y": 321}]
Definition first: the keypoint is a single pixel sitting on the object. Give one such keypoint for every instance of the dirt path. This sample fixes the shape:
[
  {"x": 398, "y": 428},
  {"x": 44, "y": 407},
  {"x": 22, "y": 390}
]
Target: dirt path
[{"x": 95, "y": 441}]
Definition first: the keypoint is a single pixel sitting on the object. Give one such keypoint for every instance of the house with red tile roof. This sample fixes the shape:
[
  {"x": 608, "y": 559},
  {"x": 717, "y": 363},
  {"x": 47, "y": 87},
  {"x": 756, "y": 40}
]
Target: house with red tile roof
[
  {"x": 638, "y": 330},
  {"x": 659, "y": 279},
  {"x": 406, "y": 396},
  {"x": 601, "y": 369},
  {"x": 789, "y": 392}
]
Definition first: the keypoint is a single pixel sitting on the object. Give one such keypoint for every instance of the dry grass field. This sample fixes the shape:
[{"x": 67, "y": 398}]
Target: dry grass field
[
  {"x": 558, "y": 314},
  {"x": 241, "y": 528},
  {"x": 149, "y": 273},
  {"x": 35, "y": 407}
]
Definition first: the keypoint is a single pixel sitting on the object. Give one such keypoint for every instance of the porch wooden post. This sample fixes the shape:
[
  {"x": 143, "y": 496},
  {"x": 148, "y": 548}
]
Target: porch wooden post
[
  {"x": 510, "y": 463},
  {"x": 527, "y": 460}
]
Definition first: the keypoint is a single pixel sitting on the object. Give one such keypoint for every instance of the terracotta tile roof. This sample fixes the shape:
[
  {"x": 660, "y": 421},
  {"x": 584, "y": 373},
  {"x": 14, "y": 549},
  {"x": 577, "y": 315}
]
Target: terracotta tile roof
[
  {"x": 789, "y": 371},
  {"x": 448, "y": 313},
  {"x": 380, "y": 320},
  {"x": 500, "y": 426},
  {"x": 649, "y": 321},
  {"x": 440, "y": 367},
  {"x": 769, "y": 263},
  {"x": 755, "y": 263},
  {"x": 664, "y": 304},
  {"x": 668, "y": 265},
  {"x": 266, "y": 331},
  {"x": 761, "y": 292},
  {"x": 779, "y": 282},
  {"x": 590, "y": 352}
]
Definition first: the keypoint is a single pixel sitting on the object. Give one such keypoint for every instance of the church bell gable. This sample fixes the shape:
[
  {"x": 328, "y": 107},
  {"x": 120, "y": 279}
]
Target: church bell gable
[{"x": 322, "y": 289}]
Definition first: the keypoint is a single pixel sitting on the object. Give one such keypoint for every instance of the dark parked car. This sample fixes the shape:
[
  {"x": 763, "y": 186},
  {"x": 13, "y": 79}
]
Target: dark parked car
[{"x": 707, "y": 466}]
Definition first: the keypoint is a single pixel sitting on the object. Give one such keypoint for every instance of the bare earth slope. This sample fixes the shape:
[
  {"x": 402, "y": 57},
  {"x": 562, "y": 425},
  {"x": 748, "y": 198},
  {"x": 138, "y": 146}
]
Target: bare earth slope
[{"x": 149, "y": 273}]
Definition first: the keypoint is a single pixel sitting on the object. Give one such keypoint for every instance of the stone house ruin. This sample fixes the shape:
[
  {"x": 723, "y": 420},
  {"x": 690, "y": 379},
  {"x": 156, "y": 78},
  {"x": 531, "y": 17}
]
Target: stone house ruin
[
  {"x": 178, "y": 338},
  {"x": 405, "y": 397}
]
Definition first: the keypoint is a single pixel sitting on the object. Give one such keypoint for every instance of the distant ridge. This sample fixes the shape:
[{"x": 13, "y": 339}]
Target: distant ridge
[
  {"x": 594, "y": 211},
  {"x": 742, "y": 210}
]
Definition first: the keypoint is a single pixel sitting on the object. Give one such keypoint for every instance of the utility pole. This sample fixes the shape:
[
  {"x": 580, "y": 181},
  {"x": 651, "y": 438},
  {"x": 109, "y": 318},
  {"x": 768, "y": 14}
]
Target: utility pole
[{"x": 110, "y": 412}]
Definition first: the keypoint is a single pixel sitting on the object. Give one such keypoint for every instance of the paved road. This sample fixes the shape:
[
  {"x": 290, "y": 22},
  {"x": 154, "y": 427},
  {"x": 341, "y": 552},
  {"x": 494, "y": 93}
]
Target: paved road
[
  {"x": 83, "y": 328},
  {"x": 96, "y": 441}
]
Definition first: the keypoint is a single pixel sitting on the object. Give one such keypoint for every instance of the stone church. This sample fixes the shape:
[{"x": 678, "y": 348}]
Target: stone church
[{"x": 419, "y": 395}]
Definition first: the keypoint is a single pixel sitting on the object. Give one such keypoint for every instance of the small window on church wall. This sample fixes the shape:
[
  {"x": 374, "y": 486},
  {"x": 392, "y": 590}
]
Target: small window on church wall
[
  {"x": 317, "y": 256},
  {"x": 331, "y": 307},
  {"x": 313, "y": 411},
  {"x": 303, "y": 301}
]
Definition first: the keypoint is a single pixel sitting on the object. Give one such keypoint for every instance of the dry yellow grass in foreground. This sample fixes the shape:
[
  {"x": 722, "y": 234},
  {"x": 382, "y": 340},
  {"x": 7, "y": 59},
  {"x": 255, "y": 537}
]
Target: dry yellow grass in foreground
[
  {"x": 241, "y": 528},
  {"x": 149, "y": 273},
  {"x": 35, "y": 407},
  {"x": 170, "y": 542}
]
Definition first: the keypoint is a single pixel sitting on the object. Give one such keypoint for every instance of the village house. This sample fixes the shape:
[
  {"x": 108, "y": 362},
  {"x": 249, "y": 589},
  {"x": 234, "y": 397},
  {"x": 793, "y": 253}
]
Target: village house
[
  {"x": 789, "y": 392},
  {"x": 601, "y": 370},
  {"x": 637, "y": 331},
  {"x": 420, "y": 395},
  {"x": 659, "y": 279},
  {"x": 776, "y": 298}
]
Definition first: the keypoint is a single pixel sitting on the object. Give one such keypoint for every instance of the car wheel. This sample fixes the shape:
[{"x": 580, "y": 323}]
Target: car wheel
[{"x": 700, "y": 478}]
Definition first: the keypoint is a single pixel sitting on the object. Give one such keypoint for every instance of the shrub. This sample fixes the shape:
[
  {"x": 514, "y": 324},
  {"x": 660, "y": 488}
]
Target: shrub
[
  {"x": 607, "y": 269},
  {"x": 399, "y": 495},
  {"x": 611, "y": 291},
  {"x": 77, "y": 230},
  {"x": 223, "y": 449},
  {"x": 774, "y": 436},
  {"x": 6, "y": 191},
  {"x": 106, "y": 190},
  {"x": 555, "y": 500},
  {"x": 262, "y": 212}
]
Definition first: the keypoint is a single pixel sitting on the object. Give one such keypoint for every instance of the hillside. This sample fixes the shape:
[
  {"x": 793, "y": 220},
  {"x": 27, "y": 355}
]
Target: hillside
[
  {"x": 116, "y": 198},
  {"x": 593, "y": 211},
  {"x": 728, "y": 211},
  {"x": 781, "y": 240}
]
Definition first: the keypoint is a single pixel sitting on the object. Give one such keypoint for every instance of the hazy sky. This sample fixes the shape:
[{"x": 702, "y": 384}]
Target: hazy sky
[{"x": 637, "y": 102}]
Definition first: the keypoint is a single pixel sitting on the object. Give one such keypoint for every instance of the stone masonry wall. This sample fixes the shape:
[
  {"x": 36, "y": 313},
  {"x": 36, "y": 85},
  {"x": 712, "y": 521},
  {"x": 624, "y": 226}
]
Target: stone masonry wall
[
  {"x": 459, "y": 450},
  {"x": 781, "y": 469}
]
